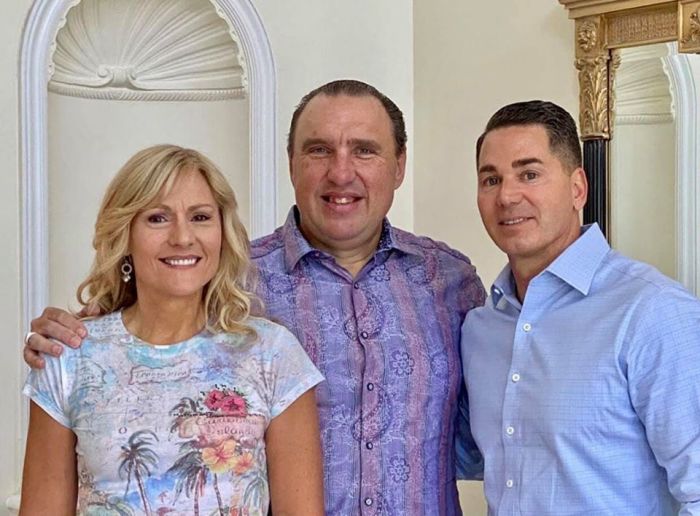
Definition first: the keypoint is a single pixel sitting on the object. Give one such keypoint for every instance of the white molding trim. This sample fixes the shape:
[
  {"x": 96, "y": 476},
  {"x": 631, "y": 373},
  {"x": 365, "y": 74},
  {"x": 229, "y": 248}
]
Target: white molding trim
[
  {"x": 87, "y": 92},
  {"x": 44, "y": 20},
  {"x": 247, "y": 25},
  {"x": 687, "y": 166}
]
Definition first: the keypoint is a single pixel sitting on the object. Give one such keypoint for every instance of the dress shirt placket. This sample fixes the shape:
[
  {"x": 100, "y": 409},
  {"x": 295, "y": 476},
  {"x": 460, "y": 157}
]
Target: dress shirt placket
[
  {"x": 369, "y": 376},
  {"x": 511, "y": 423}
]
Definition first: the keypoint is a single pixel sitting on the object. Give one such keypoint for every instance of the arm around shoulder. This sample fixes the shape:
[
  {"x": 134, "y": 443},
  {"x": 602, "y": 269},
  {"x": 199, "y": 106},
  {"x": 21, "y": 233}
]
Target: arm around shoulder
[{"x": 56, "y": 324}]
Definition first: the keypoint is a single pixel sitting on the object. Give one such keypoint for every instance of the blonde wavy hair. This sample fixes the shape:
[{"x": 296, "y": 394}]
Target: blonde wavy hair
[{"x": 149, "y": 174}]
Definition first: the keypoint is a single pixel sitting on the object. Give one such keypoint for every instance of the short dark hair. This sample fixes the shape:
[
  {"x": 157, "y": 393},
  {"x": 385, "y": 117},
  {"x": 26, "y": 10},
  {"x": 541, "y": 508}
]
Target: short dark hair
[
  {"x": 560, "y": 127},
  {"x": 353, "y": 88}
]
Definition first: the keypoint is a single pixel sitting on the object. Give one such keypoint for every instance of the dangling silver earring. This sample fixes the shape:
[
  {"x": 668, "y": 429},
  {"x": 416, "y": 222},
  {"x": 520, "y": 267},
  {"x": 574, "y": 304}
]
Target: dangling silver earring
[{"x": 126, "y": 269}]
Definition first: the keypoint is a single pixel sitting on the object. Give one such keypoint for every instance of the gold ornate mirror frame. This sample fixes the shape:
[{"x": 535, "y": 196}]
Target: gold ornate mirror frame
[{"x": 602, "y": 26}]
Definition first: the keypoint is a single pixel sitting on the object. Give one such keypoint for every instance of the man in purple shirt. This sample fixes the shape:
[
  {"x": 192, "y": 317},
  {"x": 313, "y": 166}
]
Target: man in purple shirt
[{"x": 377, "y": 309}]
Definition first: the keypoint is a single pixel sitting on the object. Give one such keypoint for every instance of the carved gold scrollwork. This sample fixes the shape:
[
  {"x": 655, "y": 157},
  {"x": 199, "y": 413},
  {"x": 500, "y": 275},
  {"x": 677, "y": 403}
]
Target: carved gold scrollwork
[
  {"x": 690, "y": 27},
  {"x": 593, "y": 83},
  {"x": 613, "y": 66},
  {"x": 592, "y": 60}
]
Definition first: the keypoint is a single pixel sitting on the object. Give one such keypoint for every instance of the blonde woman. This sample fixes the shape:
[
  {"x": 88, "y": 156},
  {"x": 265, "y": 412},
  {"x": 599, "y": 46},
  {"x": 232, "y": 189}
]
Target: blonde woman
[{"x": 179, "y": 401}]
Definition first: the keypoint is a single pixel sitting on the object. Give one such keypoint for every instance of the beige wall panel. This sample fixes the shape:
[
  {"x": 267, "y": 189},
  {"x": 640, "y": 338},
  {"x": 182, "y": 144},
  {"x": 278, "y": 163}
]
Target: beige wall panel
[{"x": 470, "y": 59}]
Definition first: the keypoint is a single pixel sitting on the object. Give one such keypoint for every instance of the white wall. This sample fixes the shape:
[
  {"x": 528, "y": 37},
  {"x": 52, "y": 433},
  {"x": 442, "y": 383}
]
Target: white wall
[{"x": 471, "y": 58}]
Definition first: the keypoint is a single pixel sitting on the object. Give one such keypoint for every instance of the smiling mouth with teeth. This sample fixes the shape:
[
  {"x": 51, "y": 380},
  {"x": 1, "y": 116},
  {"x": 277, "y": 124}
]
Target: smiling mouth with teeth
[
  {"x": 513, "y": 222},
  {"x": 339, "y": 200},
  {"x": 180, "y": 262}
]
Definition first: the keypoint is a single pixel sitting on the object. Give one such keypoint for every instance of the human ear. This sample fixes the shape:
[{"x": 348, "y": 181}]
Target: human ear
[{"x": 579, "y": 188}]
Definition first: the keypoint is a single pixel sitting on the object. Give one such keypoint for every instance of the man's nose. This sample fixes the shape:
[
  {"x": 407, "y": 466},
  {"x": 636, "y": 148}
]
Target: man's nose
[
  {"x": 509, "y": 192},
  {"x": 341, "y": 170}
]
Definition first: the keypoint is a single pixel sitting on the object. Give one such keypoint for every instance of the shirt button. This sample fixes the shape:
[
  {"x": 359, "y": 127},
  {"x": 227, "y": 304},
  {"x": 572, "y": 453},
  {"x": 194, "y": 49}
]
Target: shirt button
[
  {"x": 510, "y": 430},
  {"x": 369, "y": 446},
  {"x": 515, "y": 377},
  {"x": 368, "y": 502},
  {"x": 527, "y": 326},
  {"x": 370, "y": 386},
  {"x": 356, "y": 285},
  {"x": 509, "y": 483},
  {"x": 364, "y": 334}
]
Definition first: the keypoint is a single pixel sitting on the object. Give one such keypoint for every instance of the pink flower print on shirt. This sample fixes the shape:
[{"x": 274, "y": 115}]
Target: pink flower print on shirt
[
  {"x": 234, "y": 405},
  {"x": 227, "y": 402},
  {"x": 213, "y": 399},
  {"x": 244, "y": 462},
  {"x": 220, "y": 457}
]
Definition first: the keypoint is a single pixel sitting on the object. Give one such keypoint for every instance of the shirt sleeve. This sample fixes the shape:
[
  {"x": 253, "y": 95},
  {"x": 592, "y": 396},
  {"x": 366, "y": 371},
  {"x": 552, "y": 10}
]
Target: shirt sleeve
[
  {"x": 293, "y": 373},
  {"x": 48, "y": 388},
  {"x": 664, "y": 384},
  {"x": 470, "y": 463}
]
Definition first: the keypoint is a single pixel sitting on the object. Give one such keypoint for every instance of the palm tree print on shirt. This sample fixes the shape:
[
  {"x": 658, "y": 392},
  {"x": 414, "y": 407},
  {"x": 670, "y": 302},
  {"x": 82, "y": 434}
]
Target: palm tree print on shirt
[
  {"x": 138, "y": 459},
  {"x": 204, "y": 452}
]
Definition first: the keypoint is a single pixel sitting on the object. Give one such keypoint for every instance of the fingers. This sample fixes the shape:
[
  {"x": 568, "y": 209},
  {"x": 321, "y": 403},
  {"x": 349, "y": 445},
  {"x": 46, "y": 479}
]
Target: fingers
[
  {"x": 56, "y": 324},
  {"x": 37, "y": 343},
  {"x": 32, "y": 358}
]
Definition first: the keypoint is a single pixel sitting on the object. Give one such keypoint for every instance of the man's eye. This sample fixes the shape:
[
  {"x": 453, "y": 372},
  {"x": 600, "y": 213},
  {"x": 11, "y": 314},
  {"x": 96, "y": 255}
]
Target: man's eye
[
  {"x": 365, "y": 151},
  {"x": 530, "y": 176},
  {"x": 490, "y": 181},
  {"x": 318, "y": 151}
]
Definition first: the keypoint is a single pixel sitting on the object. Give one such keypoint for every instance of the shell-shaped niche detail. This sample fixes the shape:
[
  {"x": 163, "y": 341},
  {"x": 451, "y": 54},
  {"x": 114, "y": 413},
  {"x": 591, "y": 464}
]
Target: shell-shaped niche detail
[
  {"x": 147, "y": 50},
  {"x": 642, "y": 86}
]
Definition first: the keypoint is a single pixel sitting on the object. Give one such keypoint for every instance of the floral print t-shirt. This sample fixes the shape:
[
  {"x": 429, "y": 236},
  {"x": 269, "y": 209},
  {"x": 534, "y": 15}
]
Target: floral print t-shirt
[{"x": 176, "y": 429}]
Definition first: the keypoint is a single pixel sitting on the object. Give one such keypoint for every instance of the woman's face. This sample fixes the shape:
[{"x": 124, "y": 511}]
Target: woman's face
[{"x": 175, "y": 245}]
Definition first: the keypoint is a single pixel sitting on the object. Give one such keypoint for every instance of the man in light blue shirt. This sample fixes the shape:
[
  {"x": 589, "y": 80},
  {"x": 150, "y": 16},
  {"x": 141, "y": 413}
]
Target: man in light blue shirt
[{"x": 583, "y": 368}]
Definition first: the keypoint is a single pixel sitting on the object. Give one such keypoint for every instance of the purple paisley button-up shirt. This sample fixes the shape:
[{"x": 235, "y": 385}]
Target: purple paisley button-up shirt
[{"x": 387, "y": 342}]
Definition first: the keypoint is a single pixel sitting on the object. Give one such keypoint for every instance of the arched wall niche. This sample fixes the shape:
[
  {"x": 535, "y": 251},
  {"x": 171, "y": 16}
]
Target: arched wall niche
[{"x": 45, "y": 19}]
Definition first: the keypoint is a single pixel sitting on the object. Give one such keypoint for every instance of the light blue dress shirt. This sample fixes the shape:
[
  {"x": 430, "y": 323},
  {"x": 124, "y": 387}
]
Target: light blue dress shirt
[{"x": 585, "y": 399}]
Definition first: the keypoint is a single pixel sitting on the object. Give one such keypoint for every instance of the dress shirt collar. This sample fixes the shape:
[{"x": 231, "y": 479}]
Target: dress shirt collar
[
  {"x": 296, "y": 246},
  {"x": 576, "y": 266}
]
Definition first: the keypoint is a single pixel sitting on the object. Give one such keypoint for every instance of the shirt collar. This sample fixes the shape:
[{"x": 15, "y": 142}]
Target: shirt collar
[
  {"x": 576, "y": 266},
  {"x": 296, "y": 246}
]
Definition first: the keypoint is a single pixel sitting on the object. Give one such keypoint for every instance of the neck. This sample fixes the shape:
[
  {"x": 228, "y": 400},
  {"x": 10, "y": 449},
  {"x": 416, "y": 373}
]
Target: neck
[
  {"x": 522, "y": 276},
  {"x": 353, "y": 261},
  {"x": 164, "y": 322},
  {"x": 524, "y": 268},
  {"x": 351, "y": 257}
]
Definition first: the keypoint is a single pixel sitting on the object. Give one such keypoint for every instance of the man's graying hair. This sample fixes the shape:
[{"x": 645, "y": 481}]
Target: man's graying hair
[
  {"x": 352, "y": 88},
  {"x": 560, "y": 127}
]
